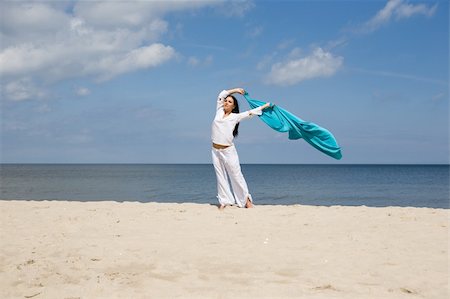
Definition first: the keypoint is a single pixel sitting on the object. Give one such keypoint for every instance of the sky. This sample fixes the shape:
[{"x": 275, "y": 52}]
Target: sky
[{"x": 137, "y": 81}]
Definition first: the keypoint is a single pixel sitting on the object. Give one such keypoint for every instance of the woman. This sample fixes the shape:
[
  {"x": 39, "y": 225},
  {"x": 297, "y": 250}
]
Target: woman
[{"x": 225, "y": 159}]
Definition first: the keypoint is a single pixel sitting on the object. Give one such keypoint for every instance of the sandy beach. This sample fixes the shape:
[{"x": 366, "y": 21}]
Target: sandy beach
[{"x": 60, "y": 249}]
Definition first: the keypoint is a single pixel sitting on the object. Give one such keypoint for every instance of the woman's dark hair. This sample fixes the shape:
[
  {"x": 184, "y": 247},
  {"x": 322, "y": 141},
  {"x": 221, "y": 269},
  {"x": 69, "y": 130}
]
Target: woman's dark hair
[{"x": 235, "y": 110}]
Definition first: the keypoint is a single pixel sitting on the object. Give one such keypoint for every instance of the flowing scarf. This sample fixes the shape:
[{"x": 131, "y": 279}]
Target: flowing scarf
[{"x": 284, "y": 121}]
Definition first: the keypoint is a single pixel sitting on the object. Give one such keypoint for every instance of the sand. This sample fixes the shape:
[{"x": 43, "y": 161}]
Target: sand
[{"x": 60, "y": 249}]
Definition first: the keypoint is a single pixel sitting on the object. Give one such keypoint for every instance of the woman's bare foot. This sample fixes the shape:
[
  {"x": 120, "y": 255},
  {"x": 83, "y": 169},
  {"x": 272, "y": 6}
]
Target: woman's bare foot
[
  {"x": 249, "y": 204},
  {"x": 222, "y": 207}
]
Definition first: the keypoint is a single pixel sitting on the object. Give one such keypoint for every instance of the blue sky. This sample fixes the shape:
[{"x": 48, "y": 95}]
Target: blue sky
[{"x": 136, "y": 82}]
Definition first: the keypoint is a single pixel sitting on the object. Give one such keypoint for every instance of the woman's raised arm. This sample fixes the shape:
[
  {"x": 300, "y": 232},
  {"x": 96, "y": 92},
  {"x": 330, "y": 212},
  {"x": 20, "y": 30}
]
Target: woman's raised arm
[
  {"x": 236, "y": 90},
  {"x": 224, "y": 93}
]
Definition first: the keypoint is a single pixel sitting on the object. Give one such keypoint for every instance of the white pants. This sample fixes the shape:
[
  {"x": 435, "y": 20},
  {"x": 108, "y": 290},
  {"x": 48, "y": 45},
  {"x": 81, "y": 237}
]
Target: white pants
[{"x": 226, "y": 164}]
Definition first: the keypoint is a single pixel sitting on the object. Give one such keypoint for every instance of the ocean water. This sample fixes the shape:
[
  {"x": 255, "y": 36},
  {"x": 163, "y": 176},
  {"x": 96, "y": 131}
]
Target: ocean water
[{"x": 349, "y": 185}]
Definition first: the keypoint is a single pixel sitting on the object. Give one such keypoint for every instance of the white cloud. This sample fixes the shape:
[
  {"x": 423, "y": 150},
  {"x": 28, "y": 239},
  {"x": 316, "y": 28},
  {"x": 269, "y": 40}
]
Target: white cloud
[
  {"x": 21, "y": 20},
  {"x": 140, "y": 58},
  {"x": 25, "y": 58},
  {"x": 397, "y": 9},
  {"x": 54, "y": 41},
  {"x": 408, "y": 10},
  {"x": 236, "y": 8},
  {"x": 113, "y": 14},
  {"x": 74, "y": 45},
  {"x": 21, "y": 90},
  {"x": 319, "y": 64},
  {"x": 83, "y": 91}
]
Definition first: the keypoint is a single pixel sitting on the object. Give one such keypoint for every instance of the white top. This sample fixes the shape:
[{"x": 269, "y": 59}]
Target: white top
[{"x": 223, "y": 126}]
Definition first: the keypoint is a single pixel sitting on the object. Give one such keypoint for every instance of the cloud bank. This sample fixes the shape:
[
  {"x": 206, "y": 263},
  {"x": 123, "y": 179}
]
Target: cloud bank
[{"x": 53, "y": 41}]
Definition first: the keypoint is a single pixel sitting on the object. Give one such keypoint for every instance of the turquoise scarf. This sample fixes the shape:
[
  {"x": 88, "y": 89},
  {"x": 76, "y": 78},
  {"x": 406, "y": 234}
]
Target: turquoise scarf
[{"x": 284, "y": 121}]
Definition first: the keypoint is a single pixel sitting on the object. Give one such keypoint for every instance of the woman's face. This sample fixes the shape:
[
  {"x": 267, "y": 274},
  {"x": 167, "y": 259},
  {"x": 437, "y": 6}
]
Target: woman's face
[{"x": 228, "y": 104}]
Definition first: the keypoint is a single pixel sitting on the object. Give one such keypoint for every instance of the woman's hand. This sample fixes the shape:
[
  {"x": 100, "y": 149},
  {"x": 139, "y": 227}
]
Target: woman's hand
[
  {"x": 265, "y": 105},
  {"x": 237, "y": 90}
]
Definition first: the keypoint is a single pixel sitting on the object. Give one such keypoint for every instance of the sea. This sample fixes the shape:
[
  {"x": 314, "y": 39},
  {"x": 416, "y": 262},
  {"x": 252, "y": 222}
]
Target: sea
[{"x": 269, "y": 184}]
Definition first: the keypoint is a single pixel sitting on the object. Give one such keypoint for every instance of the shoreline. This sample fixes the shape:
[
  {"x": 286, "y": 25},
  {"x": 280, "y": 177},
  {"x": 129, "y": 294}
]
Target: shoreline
[{"x": 110, "y": 249}]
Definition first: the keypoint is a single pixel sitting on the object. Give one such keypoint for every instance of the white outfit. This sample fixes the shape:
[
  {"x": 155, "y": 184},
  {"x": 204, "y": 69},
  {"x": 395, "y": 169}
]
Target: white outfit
[
  {"x": 226, "y": 161},
  {"x": 222, "y": 127}
]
